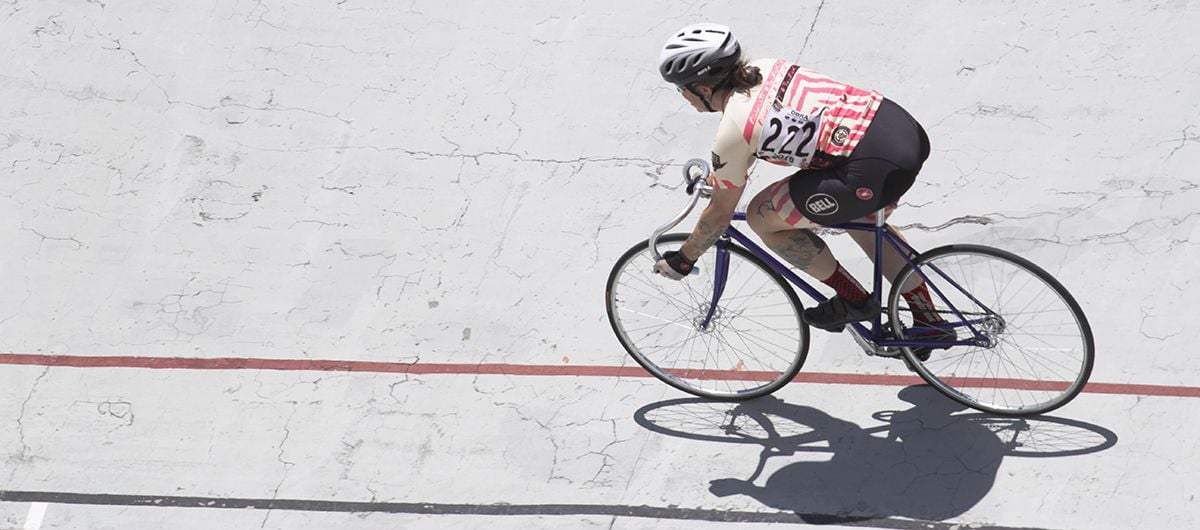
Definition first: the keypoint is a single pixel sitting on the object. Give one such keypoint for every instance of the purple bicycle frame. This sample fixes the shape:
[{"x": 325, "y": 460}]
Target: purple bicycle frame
[{"x": 882, "y": 233}]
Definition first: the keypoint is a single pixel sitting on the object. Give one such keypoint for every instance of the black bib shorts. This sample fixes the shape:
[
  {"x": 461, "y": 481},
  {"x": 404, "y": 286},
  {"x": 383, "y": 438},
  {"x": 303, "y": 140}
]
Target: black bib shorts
[{"x": 881, "y": 168}]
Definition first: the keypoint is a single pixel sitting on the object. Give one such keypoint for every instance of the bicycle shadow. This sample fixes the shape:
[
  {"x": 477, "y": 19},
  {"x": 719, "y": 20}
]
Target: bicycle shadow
[{"x": 926, "y": 462}]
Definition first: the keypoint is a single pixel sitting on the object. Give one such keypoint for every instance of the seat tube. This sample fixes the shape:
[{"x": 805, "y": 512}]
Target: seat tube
[
  {"x": 877, "y": 288},
  {"x": 720, "y": 279}
]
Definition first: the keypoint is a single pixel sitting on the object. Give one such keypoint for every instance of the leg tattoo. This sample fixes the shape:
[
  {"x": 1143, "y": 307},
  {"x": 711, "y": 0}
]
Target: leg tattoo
[
  {"x": 799, "y": 247},
  {"x": 766, "y": 210}
]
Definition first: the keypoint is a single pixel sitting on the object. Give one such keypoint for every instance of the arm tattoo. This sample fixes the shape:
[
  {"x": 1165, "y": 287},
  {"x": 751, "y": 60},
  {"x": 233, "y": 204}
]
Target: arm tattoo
[
  {"x": 710, "y": 235},
  {"x": 703, "y": 237}
]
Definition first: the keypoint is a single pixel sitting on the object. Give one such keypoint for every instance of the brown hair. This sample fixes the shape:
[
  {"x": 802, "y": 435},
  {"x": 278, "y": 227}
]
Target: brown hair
[{"x": 742, "y": 78}]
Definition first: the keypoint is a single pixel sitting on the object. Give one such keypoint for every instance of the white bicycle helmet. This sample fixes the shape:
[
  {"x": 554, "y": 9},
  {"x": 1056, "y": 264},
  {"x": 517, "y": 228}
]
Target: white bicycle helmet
[{"x": 699, "y": 53}]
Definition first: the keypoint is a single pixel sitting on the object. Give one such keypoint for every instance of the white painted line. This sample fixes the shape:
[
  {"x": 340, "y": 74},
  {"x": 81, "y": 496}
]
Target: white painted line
[{"x": 37, "y": 512}]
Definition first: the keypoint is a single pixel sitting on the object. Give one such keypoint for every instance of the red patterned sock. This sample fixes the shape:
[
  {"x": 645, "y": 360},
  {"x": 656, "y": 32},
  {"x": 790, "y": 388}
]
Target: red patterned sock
[
  {"x": 922, "y": 306},
  {"x": 846, "y": 286}
]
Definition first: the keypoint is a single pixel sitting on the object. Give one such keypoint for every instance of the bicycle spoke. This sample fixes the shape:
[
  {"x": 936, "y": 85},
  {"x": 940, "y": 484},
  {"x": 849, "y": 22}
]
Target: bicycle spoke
[
  {"x": 787, "y": 355},
  {"x": 1036, "y": 334},
  {"x": 661, "y": 291},
  {"x": 656, "y": 327},
  {"x": 768, "y": 328},
  {"x": 755, "y": 327},
  {"x": 1041, "y": 359}
]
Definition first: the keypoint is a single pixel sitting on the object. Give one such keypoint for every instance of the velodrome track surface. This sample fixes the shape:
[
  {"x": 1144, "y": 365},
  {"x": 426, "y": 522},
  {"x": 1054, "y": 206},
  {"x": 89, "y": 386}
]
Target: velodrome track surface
[{"x": 340, "y": 265}]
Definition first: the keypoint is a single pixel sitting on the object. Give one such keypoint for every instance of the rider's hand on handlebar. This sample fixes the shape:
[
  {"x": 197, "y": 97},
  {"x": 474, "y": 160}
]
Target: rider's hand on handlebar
[
  {"x": 694, "y": 179},
  {"x": 674, "y": 265}
]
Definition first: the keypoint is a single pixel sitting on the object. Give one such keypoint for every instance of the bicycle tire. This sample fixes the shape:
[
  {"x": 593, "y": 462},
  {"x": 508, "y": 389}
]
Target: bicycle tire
[
  {"x": 951, "y": 374},
  {"x": 698, "y": 377}
]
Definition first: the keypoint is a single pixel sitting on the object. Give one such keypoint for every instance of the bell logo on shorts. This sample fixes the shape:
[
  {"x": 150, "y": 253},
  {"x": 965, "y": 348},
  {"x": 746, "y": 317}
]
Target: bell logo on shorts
[
  {"x": 864, "y": 194},
  {"x": 821, "y": 204}
]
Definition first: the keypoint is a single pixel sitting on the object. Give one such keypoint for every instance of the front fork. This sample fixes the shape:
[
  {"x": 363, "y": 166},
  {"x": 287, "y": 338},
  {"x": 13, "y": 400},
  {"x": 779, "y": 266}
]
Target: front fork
[{"x": 720, "y": 277}]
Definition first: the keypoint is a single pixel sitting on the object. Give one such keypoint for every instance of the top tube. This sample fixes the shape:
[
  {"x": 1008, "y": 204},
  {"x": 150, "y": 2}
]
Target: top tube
[{"x": 867, "y": 227}]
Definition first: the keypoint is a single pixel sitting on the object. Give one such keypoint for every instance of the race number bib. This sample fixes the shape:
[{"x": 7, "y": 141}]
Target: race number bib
[{"x": 789, "y": 136}]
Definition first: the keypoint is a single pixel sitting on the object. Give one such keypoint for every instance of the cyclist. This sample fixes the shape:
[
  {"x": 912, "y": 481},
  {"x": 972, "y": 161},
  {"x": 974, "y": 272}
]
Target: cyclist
[{"x": 856, "y": 152}]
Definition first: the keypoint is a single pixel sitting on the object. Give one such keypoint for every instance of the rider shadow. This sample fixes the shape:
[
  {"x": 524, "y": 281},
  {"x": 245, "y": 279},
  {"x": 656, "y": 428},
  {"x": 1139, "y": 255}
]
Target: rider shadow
[{"x": 927, "y": 463}]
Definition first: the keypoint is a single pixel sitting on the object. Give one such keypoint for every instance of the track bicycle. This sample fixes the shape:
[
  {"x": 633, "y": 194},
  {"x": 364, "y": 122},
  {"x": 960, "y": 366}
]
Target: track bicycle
[{"x": 732, "y": 329}]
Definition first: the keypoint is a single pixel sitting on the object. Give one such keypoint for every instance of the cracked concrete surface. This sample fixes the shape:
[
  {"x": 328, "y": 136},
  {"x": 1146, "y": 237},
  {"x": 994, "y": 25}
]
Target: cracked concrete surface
[
  {"x": 451, "y": 183},
  {"x": 23, "y": 456}
]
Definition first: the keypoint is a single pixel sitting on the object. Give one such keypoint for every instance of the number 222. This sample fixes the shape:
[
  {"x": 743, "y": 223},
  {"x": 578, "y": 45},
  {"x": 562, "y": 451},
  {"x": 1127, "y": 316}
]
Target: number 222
[{"x": 776, "y": 125}]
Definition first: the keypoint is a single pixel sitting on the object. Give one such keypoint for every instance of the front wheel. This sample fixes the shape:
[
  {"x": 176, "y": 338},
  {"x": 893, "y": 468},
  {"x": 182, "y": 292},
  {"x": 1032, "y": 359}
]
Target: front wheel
[
  {"x": 1032, "y": 349},
  {"x": 753, "y": 343}
]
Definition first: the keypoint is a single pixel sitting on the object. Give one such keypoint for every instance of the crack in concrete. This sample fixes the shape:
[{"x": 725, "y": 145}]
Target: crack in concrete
[
  {"x": 1184, "y": 137},
  {"x": 51, "y": 27},
  {"x": 811, "y": 28},
  {"x": 1122, "y": 236},
  {"x": 256, "y": 14},
  {"x": 275, "y": 108},
  {"x": 987, "y": 111},
  {"x": 345, "y": 457},
  {"x": 964, "y": 219},
  {"x": 475, "y": 157},
  {"x": 78, "y": 244},
  {"x": 194, "y": 309},
  {"x": 287, "y": 465},
  {"x": 22, "y": 456},
  {"x": 513, "y": 121},
  {"x": 122, "y": 410},
  {"x": 970, "y": 69},
  {"x": 319, "y": 222},
  {"x": 495, "y": 255},
  {"x": 1142, "y": 328},
  {"x": 606, "y": 459}
]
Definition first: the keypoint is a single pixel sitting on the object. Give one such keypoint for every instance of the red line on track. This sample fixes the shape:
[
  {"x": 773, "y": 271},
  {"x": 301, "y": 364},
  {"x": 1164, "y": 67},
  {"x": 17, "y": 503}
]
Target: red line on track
[{"x": 242, "y": 363}]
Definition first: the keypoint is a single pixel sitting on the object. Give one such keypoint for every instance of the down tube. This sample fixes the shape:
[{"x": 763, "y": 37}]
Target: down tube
[{"x": 775, "y": 265}]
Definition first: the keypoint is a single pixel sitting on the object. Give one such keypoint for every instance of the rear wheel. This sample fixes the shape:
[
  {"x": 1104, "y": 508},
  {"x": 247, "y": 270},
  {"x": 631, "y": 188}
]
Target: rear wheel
[
  {"x": 1034, "y": 349},
  {"x": 754, "y": 344}
]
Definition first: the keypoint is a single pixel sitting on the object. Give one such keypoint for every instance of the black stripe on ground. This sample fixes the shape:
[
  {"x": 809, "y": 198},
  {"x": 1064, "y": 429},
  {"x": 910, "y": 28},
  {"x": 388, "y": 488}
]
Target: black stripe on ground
[{"x": 423, "y": 508}]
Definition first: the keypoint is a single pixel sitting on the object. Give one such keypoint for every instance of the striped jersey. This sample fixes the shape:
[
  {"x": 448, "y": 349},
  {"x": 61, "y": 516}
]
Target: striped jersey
[{"x": 794, "y": 117}]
